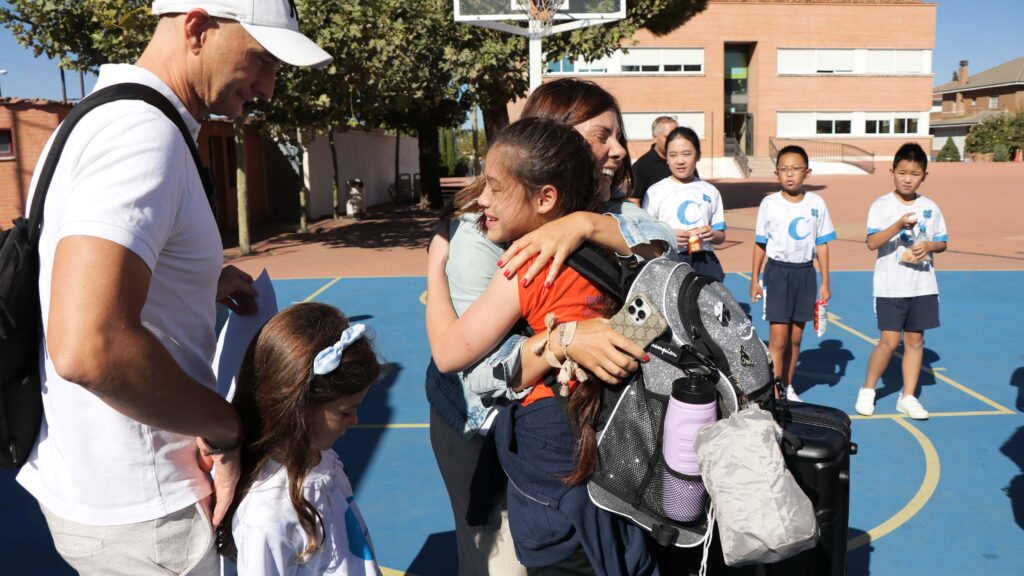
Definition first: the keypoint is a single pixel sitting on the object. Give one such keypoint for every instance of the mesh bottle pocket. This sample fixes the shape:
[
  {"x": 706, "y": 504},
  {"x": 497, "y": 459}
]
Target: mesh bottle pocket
[{"x": 632, "y": 469}]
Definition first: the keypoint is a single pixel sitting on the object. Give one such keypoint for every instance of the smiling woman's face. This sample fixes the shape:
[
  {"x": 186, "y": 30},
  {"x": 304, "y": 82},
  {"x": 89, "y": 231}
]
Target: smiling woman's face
[{"x": 602, "y": 133}]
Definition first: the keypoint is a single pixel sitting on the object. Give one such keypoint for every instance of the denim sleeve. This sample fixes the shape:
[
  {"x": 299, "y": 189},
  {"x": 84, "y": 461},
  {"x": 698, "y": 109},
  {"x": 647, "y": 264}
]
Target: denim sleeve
[
  {"x": 638, "y": 227},
  {"x": 492, "y": 376}
]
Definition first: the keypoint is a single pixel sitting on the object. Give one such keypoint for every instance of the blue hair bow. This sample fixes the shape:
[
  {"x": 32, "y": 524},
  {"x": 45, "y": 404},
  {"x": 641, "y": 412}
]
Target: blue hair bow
[{"x": 329, "y": 358}]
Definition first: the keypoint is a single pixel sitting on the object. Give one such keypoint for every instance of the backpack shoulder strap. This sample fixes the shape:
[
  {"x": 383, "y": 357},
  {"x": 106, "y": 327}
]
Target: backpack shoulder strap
[
  {"x": 592, "y": 265},
  {"x": 124, "y": 91}
]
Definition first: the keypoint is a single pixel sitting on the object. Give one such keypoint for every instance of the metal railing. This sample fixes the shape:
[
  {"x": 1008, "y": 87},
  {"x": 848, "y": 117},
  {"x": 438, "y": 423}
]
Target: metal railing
[
  {"x": 733, "y": 148},
  {"x": 826, "y": 151}
]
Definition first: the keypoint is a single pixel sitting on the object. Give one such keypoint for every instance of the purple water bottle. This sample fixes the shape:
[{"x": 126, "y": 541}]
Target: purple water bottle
[{"x": 690, "y": 407}]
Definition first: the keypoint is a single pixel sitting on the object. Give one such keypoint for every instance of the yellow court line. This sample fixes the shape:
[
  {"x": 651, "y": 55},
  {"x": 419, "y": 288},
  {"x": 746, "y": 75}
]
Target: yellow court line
[
  {"x": 423, "y": 298},
  {"x": 393, "y": 572},
  {"x": 935, "y": 415},
  {"x": 834, "y": 319},
  {"x": 932, "y": 471},
  {"x": 321, "y": 290}
]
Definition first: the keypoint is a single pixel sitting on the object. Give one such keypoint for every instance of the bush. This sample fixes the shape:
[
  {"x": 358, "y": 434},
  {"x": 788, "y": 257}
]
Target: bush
[
  {"x": 949, "y": 153},
  {"x": 1001, "y": 153},
  {"x": 462, "y": 167},
  {"x": 1005, "y": 129}
]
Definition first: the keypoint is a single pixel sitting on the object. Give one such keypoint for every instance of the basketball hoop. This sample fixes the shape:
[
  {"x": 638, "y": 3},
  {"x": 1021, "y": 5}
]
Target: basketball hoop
[{"x": 541, "y": 14}]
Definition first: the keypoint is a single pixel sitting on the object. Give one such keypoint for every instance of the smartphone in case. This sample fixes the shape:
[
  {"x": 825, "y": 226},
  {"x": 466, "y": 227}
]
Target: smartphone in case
[{"x": 639, "y": 320}]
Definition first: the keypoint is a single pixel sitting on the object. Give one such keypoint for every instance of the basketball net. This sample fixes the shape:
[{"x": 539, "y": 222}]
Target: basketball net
[{"x": 541, "y": 13}]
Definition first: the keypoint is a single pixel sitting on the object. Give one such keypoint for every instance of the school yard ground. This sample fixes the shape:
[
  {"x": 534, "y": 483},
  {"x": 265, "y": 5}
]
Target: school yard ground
[{"x": 937, "y": 497}]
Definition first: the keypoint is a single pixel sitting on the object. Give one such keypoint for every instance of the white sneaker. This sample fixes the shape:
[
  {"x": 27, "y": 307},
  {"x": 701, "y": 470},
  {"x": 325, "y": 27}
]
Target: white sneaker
[
  {"x": 791, "y": 395},
  {"x": 911, "y": 407},
  {"x": 865, "y": 402}
]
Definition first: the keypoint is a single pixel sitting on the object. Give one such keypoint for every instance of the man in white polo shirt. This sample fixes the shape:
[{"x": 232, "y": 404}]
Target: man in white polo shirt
[{"x": 130, "y": 269}]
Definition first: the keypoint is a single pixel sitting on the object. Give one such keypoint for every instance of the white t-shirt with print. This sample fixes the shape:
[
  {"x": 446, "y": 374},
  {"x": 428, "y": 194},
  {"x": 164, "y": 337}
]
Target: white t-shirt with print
[
  {"x": 895, "y": 279},
  {"x": 686, "y": 205},
  {"x": 126, "y": 176},
  {"x": 269, "y": 537},
  {"x": 793, "y": 230}
]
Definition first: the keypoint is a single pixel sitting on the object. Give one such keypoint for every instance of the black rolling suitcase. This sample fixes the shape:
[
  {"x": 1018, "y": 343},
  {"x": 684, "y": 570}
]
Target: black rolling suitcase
[{"x": 819, "y": 459}]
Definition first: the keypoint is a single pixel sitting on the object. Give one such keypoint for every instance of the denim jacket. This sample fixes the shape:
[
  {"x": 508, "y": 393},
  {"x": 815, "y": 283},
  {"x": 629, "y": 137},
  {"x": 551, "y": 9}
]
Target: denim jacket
[{"x": 465, "y": 399}]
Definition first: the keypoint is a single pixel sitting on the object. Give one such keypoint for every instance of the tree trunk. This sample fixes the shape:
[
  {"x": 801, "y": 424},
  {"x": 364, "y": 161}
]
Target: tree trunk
[
  {"x": 241, "y": 189},
  {"x": 303, "y": 180},
  {"x": 398, "y": 147},
  {"x": 495, "y": 118},
  {"x": 335, "y": 187},
  {"x": 476, "y": 140},
  {"x": 428, "y": 136}
]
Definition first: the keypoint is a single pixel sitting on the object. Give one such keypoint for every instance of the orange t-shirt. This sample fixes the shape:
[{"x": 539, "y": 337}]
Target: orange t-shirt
[{"x": 571, "y": 298}]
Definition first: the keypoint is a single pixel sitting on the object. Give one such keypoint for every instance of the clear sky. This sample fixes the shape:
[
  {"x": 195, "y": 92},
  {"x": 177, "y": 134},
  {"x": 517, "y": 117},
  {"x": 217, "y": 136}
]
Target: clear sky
[{"x": 985, "y": 32}]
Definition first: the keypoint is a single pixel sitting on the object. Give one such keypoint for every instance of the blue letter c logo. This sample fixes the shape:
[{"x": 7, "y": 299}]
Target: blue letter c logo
[
  {"x": 794, "y": 231},
  {"x": 681, "y": 213}
]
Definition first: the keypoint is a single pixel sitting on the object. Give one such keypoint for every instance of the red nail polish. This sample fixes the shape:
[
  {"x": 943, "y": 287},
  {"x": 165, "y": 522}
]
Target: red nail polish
[
  {"x": 500, "y": 263},
  {"x": 525, "y": 282},
  {"x": 508, "y": 273},
  {"x": 548, "y": 284},
  {"x": 647, "y": 358}
]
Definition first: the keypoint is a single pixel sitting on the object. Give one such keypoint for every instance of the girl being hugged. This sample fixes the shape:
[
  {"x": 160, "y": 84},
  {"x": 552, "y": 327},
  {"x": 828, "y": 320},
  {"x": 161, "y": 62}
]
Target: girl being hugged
[
  {"x": 538, "y": 170},
  {"x": 692, "y": 207},
  {"x": 300, "y": 385}
]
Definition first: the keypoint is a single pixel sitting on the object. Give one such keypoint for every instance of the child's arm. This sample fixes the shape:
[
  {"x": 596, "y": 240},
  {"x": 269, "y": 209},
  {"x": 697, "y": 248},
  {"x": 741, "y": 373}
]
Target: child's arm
[
  {"x": 457, "y": 342},
  {"x": 262, "y": 550},
  {"x": 555, "y": 241},
  {"x": 824, "y": 293},
  {"x": 878, "y": 239},
  {"x": 756, "y": 291}
]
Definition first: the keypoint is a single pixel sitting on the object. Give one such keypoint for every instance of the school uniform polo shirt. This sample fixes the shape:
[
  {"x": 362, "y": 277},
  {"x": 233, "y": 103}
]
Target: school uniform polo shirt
[
  {"x": 126, "y": 176},
  {"x": 792, "y": 231},
  {"x": 686, "y": 206},
  {"x": 893, "y": 278}
]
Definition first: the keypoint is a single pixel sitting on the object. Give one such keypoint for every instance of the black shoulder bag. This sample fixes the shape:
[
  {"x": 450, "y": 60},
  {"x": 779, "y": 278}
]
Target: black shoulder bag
[{"x": 21, "y": 327}]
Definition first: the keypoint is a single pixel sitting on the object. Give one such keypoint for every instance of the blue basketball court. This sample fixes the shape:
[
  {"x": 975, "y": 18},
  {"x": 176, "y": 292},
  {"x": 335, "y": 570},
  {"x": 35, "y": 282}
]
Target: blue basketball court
[{"x": 943, "y": 496}]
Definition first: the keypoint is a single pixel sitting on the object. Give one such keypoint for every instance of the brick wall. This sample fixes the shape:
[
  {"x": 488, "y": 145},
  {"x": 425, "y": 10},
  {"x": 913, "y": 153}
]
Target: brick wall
[{"x": 31, "y": 122}]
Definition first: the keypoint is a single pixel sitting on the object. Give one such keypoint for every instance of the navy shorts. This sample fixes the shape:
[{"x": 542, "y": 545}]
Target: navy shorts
[
  {"x": 790, "y": 291},
  {"x": 705, "y": 263},
  {"x": 911, "y": 314}
]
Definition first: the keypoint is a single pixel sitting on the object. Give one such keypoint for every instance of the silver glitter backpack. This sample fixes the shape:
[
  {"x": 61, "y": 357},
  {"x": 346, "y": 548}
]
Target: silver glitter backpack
[{"x": 710, "y": 334}]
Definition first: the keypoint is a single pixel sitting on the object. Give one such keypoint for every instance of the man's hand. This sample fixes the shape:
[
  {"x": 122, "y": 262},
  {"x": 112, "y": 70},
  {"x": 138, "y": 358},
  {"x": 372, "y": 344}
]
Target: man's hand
[
  {"x": 234, "y": 290},
  {"x": 227, "y": 469}
]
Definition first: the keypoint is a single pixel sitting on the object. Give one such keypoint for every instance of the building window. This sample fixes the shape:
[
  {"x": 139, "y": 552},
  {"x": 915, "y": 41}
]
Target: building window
[
  {"x": 877, "y": 127},
  {"x": 993, "y": 102},
  {"x": 636, "y": 61},
  {"x": 906, "y": 126},
  {"x": 563, "y": 65},
  {"x": 833, "y": 127},
  {"x": 854, "y": 61},
  {"x": 6, "y": 144}
]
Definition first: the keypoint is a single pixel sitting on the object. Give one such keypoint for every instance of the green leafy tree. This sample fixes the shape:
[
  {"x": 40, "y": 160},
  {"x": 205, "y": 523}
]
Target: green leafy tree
[
  {"x": 949, "y": 153},
  {"x": 991, "y": 134}
]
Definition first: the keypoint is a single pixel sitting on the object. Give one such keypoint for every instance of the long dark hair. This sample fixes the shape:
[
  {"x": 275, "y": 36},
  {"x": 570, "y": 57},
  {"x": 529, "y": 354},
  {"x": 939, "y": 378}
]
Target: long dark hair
[
  {"x": 539, "y": 152},
  {"x": 570, "y": 101},
  {"x": 574, "y": 101},
  {"x": 275, "y": 394}
]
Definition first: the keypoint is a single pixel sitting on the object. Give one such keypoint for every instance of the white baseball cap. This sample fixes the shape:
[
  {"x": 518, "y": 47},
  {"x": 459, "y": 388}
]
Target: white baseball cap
[{"x": 272, "y": 23}]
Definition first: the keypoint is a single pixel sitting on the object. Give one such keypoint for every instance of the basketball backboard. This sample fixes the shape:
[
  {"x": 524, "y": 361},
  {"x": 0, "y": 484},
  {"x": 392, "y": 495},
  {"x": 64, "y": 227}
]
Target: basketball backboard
[{"x": 497, "y": 10}]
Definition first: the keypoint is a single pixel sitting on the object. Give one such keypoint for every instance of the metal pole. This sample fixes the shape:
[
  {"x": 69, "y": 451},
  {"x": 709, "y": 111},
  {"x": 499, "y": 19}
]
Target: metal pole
[
  {"x": 536, "y": 55},
  {"x": 2, "y": 73},
  {"x": 63, "y": 86},
  {"x": 81, "y": 84}
]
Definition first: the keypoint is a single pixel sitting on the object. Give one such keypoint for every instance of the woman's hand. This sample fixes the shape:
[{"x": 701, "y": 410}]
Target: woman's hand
[
  {"x": 553, "y": 242},
  {"x": 600, "y": 350}
]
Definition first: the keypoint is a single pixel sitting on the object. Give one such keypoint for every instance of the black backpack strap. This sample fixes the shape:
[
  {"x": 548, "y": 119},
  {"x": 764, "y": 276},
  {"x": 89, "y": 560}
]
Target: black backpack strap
[
  {"x": 126, "y": 91},
  {"x": 592, "y": 265}
]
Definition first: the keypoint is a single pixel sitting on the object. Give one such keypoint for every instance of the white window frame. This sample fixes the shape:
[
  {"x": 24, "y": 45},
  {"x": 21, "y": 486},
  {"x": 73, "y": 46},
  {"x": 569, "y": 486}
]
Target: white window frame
[
  {"x": 853, "y": 61},
  {"x": 993, "y": 102},
  {"x": 650, "y": 61},
  {"x": 638, "y": 124},
  {"x": 804, "y": 124}
]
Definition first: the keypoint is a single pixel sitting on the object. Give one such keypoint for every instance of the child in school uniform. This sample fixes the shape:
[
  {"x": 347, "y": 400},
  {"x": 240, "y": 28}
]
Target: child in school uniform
[
  {"x": 793, "y": 229},
  {"x": 691, "y": 206},
  {"x": 905, "y": 229},
  {"x": 299, "y": 388}
]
